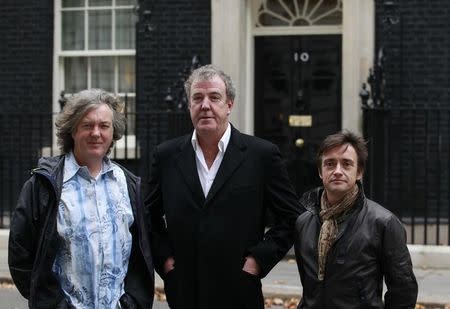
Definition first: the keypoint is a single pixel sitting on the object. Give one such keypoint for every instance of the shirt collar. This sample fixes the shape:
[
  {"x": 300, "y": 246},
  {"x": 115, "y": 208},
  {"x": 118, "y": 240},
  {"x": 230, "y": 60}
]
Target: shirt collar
[
  {"x": 71, "y": 167},
  {"x": 223, "y": 142}
]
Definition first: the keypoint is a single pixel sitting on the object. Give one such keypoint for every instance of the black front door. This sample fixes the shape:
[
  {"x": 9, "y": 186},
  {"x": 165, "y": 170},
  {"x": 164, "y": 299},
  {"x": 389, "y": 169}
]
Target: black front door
[{"x": 298, "y": 98}]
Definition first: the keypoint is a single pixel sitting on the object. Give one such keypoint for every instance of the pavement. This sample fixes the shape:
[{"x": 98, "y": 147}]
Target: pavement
[{"x": 431, "y": 267}]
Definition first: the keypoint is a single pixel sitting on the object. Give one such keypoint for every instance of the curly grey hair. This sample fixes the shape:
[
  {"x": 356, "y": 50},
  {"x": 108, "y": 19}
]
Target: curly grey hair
[
  {"x": 77, "y": 106},
  {"x": 207, "y": 72}
]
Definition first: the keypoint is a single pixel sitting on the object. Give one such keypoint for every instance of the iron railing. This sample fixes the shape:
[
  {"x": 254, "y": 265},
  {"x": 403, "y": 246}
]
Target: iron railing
[
  {"x": 28, "y": 136},
  {"x": 408, "y": 168}
]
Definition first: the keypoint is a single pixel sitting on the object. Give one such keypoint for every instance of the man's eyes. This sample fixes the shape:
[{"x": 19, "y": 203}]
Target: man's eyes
[
  {"x": 345, "y": 164},
  {"x": 91, "y": 126},
  {"x": 212, "y": 98}
]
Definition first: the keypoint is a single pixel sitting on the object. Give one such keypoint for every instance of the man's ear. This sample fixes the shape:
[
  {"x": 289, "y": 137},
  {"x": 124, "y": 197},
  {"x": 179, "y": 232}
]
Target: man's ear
[
  {"x": 230, "y": 104},
  {"x": 360, "y": 174},
  {"x": 320, "y": 173}
]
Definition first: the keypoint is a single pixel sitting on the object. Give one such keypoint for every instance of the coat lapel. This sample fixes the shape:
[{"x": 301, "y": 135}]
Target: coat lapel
[
  {"x": 188, "y": 167},
  {"x": 234, "y": 156}
]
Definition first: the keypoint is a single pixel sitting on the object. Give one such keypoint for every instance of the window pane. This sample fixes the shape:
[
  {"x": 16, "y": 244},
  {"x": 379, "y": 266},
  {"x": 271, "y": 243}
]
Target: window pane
[
  {"x": 126, "y": 74},
  {"x": 102, "y": 73},
  {"x": 130, "y": 112},
  {"x": 125, "y": 2},
  {"x": 100, "y": 29},
  {"x": 73, "y": 30},
  {"x": 75, "y": 74},
  {"x": 100, "y": 3},
  {"x": 125, "y": 29},
  {"x": 299, "y": 13},
  {"x": 72, "y": 3}
]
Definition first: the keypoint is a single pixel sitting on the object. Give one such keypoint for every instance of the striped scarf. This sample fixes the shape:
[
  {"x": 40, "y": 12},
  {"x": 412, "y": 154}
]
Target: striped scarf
[{"x": 329, "y": 215}]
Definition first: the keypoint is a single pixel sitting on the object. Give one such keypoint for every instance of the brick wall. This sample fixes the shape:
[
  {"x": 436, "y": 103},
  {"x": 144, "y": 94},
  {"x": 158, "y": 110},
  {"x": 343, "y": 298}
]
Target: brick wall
[
  {"x": 417, "y": 52},
  {"x": 26, "y": 53},
  {"x": 412, "y": 146},
  {"x": 181, "y": 29},
  {"x": 26, "y": 31}
]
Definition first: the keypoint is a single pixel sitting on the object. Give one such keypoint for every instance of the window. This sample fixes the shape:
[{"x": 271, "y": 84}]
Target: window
[
  {"x": 296, "y": 13},
  {"x": 95, "y": 48}
]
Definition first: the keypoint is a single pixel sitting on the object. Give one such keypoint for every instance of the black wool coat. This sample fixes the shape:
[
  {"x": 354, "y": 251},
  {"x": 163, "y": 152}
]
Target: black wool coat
[{"x": 210, "y": 237}]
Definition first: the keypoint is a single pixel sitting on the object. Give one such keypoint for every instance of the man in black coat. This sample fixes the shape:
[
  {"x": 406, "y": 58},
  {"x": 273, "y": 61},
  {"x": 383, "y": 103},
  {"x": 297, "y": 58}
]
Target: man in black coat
[
  {"x": 346, "y": 244},
  {"x": 210, "y": 193}
]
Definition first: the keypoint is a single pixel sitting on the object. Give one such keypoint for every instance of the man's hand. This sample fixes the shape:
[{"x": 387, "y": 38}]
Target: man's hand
[
  {"x": 169, "y": 264},
  {"x": 251, "y": 266}
]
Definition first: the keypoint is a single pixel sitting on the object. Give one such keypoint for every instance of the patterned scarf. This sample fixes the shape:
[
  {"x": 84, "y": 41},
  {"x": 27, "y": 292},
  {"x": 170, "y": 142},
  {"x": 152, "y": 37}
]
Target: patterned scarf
[{"x": 329, "y": 214}]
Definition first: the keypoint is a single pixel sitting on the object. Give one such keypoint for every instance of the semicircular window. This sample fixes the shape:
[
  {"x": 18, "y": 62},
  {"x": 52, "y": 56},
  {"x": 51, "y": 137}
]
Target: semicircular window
[{"x": 297, "y": 13}]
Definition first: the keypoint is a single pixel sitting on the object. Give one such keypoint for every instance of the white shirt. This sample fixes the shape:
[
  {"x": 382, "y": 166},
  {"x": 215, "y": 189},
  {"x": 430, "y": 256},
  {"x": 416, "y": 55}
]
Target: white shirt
[{"x": 206, "y": 175}]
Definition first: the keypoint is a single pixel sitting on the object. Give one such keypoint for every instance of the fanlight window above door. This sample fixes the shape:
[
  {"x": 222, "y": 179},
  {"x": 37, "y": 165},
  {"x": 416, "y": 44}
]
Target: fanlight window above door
[{"x": 297, "y": 13}]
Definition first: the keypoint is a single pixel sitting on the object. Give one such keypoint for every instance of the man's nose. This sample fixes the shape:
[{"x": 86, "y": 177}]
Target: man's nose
[
  {"x": 338, "y": 169},
  {"x": 95, "y": 131},
  {"x": 206, "y": 104}
]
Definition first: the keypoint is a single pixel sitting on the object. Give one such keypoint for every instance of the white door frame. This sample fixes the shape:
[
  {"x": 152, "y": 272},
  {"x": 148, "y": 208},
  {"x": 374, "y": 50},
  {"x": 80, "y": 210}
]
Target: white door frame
[{"x": 232, "y": 49}]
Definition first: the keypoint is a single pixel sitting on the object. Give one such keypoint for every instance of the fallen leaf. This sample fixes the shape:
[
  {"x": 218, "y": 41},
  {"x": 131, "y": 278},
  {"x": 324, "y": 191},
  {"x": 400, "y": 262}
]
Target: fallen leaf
[
  {"x": 6, "y": 285},
  {"x": 291, "y": 303},
  {"x": 277, "y": 301},
  {"x": 268, "y": 302}
]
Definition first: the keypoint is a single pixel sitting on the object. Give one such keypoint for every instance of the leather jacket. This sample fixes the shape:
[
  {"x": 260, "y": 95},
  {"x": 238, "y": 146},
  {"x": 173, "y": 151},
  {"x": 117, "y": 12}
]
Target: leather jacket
[{"x": 370, "y": 245}]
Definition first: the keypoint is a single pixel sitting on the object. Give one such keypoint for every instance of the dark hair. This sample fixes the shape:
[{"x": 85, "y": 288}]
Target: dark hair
[
  {"x": 207, "y": 72},
  {"x": 343, "y": 138},
  {"x": 77, "y": 106}
]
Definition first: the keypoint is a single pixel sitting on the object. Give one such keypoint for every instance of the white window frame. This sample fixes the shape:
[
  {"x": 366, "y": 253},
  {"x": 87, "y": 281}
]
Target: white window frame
[{"x": 58, "y": 72}]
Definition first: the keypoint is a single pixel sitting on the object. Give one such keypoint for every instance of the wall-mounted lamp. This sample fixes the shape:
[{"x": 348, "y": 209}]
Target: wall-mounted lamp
[
  {"x": 145, "y": 24},
  {"x": 391, "y": 14}
]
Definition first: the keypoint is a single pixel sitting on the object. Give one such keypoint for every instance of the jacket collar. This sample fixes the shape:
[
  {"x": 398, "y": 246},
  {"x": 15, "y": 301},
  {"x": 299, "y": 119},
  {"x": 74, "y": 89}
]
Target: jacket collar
[
  {"x": 311, "y": 199},
  {"x": 233, "y": 157},
  {"x": 71, "y": 168}
]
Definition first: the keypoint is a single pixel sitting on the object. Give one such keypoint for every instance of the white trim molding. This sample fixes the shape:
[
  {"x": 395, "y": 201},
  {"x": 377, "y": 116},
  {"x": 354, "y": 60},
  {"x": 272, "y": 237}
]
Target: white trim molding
[
  {"x": 358, "y": 41},
  {"x": 228, "y": 51},
  {"x": 232, "y": 38}
]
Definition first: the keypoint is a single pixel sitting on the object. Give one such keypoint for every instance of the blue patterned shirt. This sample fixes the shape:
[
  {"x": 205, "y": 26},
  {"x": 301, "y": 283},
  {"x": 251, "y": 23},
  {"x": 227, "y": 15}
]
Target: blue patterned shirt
[{"x": 94, "y": 217}]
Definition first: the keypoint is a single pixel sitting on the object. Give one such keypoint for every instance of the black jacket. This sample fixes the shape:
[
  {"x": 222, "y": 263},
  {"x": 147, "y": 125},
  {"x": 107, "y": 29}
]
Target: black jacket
[
  {"x": 34, "y": 241},
  {"x": 209, "y": 237},
  {"x": 370, "y": 245}
]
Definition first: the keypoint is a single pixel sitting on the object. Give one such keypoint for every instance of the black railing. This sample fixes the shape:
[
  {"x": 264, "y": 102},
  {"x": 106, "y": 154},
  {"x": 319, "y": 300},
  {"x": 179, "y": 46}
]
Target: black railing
[
  {"x": 28, "y": 136},
  {"x": 409, "y": 168}
]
